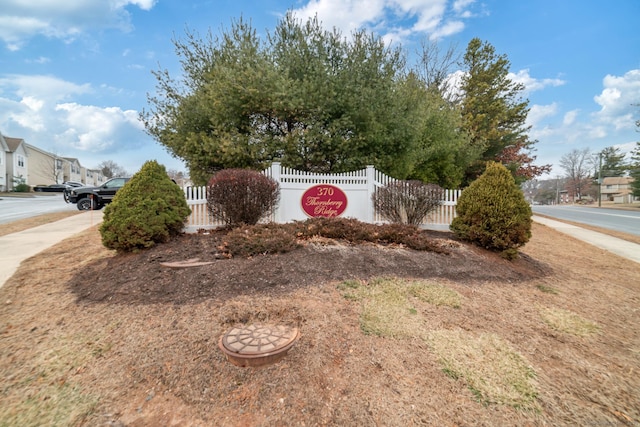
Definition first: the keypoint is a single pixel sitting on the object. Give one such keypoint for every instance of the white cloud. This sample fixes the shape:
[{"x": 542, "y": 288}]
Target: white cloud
[
  {"x": 532, "y": 84},
  {"x": 41, "y": 109},
  {"x": 570, "y": 117},
  {"x": 447, "y": 29},
  {"x": 346, "y": 15},
  {"x": 45, "y": 87},
  {"x": 392, "y": 19},
  {"x": 537, "y": 113},
  {"x": 39, "y": 60},
  {"x": 22, "y": 19},
  {"x": 618, "y": 100},
  {"x": 95, "y": 129}
]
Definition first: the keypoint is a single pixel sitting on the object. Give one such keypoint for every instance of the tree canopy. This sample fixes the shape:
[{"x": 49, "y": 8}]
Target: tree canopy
[
  {"x": 612, "y": 162},
  {"x": 307, "y": 97},
  {"x": 494, "y": 113},
  {"x": 321, "y": 102},
  {"x": 111, "y": 169},
  {"x": 577, "y": 165}
]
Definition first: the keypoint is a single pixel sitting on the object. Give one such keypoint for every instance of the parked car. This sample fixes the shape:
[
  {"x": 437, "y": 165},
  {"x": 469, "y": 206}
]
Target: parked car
[
  {"x": 53, "y": 188},
  {"x": 94, "y": 198},
  {"x": 73, "y": 184}
]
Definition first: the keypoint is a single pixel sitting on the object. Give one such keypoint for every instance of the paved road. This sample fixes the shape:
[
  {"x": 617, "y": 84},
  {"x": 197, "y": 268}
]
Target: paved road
[
  {"x": 15, "y": 208},
  {"x": 612, "y": 219}
]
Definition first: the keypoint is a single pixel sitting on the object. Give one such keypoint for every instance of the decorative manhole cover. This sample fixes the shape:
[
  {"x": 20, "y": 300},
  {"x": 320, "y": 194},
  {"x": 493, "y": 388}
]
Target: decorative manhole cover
[{"x": 257, "y": 345}]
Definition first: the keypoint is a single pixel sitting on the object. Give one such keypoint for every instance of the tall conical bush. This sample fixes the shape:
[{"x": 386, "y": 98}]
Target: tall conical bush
[
  {"x": 493, "y": 213},
  {"x": 149, "y": 209}
]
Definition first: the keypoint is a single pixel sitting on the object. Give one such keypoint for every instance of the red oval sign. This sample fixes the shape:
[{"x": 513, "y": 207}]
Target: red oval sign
[{"x": 324, "y": 200}]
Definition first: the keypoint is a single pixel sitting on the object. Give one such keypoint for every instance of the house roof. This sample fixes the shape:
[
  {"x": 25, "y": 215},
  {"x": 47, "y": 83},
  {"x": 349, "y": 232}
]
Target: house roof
[
  {"x": 13, "y": 143},
  {"x": 3, "y": 143},
  {"x": 616, "y": 180}
]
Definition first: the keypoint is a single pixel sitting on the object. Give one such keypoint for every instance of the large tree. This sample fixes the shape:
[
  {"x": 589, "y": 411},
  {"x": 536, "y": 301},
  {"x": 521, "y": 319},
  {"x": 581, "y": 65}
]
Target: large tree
[
  {"x": 610, "y": 162},
  {"x": 494, "y": 113},
  {"x": 307, "y": 97},
  {"x": 577, "y": 166},
  {"x": 111, "y": 169},
  {"x": 443, "y": 149}
]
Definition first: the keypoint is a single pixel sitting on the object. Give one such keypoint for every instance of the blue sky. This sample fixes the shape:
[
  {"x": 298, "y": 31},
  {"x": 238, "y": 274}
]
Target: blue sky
[{"x": 75, "y": 74}]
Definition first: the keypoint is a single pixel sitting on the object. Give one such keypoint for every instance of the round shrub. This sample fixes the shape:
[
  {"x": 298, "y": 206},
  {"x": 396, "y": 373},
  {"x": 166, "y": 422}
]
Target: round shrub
[
  {"x": 241, "y": 196},
  {"x": 493, "y": 213},
  {"x": 149, "y": 209}
]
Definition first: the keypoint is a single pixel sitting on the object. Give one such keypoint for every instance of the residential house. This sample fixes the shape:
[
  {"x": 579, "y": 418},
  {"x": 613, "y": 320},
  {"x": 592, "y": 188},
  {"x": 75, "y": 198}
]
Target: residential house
[
  {"x": 92, "y": 176},
  {"x": 100, "y": 178},
  {"x": 72, "y": 170},
  {"x": 44, "y": 168},
  {"x": 34, "y": 166},
  {"x": 617, "y": 189},
  {"x": 4, "y": 149},
  {"x": 16, "y": 159}
]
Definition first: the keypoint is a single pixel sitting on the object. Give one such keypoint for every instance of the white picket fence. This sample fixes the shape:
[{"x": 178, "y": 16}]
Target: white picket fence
[{"x": 358, "y": 186}]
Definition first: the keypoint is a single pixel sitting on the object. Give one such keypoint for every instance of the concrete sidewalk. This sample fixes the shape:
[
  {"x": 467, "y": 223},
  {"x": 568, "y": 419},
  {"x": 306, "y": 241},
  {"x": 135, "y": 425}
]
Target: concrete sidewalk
[
  {"x": 16, "y": 247},
  {"x": 614, "y": 245}
]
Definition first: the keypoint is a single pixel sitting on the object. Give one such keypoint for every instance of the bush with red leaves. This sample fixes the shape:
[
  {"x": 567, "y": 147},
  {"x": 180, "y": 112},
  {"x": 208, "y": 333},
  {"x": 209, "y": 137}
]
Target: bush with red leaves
[{"x": 241, "y": 196}]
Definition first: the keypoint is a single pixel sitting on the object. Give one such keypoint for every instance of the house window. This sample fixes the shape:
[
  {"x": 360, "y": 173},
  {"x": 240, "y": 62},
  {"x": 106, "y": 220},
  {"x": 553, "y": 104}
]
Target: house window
[
  {"x": 20, "y": 161},
  {"x": 1, "y": 157},
  {"x": 58, "y": 164}
]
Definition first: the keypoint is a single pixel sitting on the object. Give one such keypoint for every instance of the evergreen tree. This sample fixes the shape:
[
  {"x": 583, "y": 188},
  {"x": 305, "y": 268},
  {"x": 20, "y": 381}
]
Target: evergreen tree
[
  {"x": 149, "y": 209},
  {"x": 443, "y": 150},
  {"x": 612, "y": 162},
  {"x": 493, "y": 213},
  {"x": 494, "y": 114},
  {"x": 307, "y": 97}
]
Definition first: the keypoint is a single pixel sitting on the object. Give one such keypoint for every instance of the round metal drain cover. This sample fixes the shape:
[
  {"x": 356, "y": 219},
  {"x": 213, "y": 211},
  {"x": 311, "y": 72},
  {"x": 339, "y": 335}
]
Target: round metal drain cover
[{"x": 257, "y": 345}]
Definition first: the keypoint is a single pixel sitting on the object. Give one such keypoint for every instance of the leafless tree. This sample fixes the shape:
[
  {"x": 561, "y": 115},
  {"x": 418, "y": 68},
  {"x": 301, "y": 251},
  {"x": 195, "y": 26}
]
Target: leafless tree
[
  {"x": 436, "y": 67},
  {"x": 577, "y": 165},
  {"x": 48, "y": 168},
  {"x": 109, "y": 169},
  {"x": 178, "y": 177}
]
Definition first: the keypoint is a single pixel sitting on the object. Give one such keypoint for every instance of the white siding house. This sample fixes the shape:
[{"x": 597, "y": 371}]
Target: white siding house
[
  {"x": 4, "y": 179},
  {"x": 17, "y": 161}
]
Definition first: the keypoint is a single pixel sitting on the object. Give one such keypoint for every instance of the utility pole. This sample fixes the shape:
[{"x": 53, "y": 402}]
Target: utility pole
[{"x": 600, "y": 179}]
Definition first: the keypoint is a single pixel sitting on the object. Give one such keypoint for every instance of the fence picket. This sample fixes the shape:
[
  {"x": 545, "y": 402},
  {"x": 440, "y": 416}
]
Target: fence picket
[{"x": 292, "y": 180}]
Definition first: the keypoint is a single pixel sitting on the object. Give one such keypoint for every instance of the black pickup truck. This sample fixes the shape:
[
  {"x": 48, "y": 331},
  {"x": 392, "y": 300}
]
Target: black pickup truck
[{"x": 94, "y": 198}]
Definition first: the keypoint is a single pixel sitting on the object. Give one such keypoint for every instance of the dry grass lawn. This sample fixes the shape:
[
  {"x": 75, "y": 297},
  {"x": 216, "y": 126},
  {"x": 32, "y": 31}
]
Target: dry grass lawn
[{"x": 558, "y": 349}]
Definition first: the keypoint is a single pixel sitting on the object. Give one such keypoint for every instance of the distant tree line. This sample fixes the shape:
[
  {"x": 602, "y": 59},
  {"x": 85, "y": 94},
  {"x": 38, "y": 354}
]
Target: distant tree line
[{"x": 583, "y": 171}]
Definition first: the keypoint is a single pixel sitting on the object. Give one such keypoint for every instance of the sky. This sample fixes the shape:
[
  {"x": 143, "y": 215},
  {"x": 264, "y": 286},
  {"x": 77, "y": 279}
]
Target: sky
[{"x": 75, "y": 74}]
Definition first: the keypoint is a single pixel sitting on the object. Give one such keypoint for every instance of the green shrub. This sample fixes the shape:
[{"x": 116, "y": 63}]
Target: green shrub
[
  {"x": 19, "y": 185},
  {"x": 149, "y": 209},
  {"x": 407, "y": 202},
  {"x": 493, "y": 213},
  {"x": 241, "y": 196}
]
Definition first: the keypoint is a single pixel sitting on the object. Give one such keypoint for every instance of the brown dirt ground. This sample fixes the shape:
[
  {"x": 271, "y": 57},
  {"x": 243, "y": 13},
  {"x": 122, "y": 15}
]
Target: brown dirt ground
[{"x": 151, "y": 333}]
